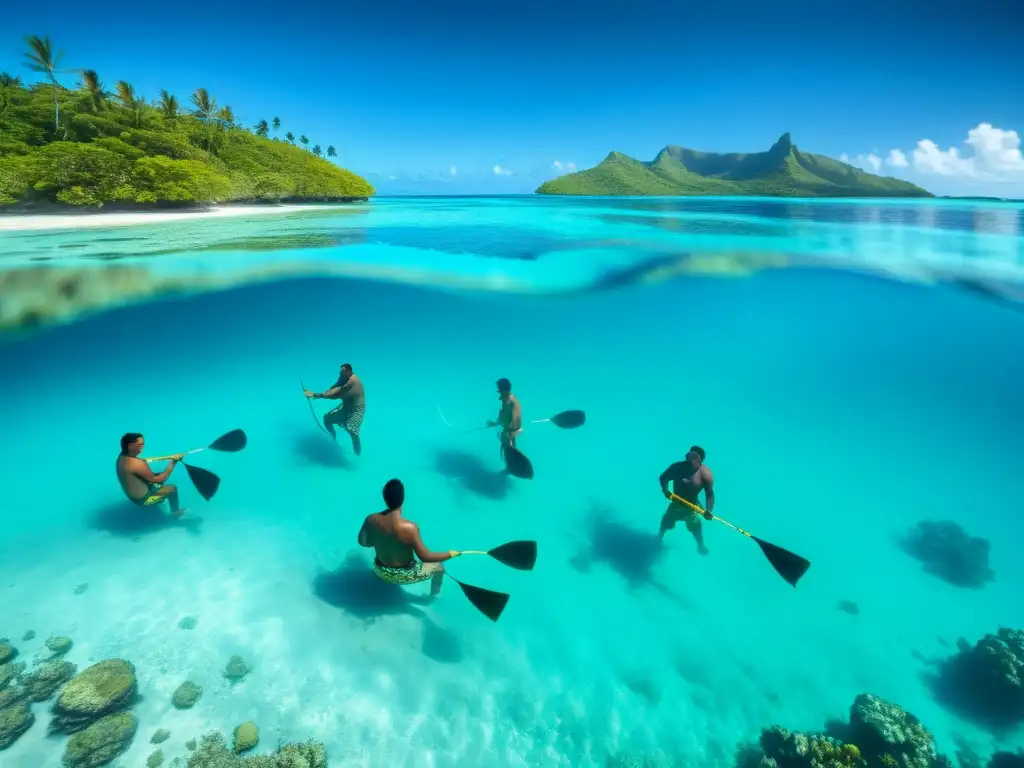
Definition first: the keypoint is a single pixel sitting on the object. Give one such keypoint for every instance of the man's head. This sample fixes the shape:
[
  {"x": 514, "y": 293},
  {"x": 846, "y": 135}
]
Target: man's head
[
  {"x": 346, "y": 371},
  {"x": 504, "y": 389},
  {"x": 394, "y": 494},
  {"x": 695, "y": 455},
  {"x": 132, "y": 443}
]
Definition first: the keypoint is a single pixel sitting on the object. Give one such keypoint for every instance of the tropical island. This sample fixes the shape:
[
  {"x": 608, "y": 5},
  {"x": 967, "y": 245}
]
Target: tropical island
[
  {"x": 88, "y": 147},
  {"x": 782, "y": 171}
]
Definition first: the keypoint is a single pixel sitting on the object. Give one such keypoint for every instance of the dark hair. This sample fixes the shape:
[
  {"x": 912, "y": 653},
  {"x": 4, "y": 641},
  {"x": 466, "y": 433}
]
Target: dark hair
[
  {"x": 394, "y": 494},
  {"x": 698, "y": 450},
  {"x": 128, "y": 438},
  {"x": 347, "y": 365},
  {"x": 504, "y": 386}
]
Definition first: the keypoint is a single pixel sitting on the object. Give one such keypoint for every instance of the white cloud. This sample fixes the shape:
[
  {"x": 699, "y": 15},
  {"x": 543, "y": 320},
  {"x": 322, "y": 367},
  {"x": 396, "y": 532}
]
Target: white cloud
[
  {"x": 499, "y": 171},
  {"x": 844, "y": 158},
  {"x": 392, "y": 177},
  {"x": 870, "y": 161},
  {"x": 996, "y": 156},
  {"x": 897, "y": 159},
  {"x": 453, "y": 171},
  {"x": 561, "y": 167}
]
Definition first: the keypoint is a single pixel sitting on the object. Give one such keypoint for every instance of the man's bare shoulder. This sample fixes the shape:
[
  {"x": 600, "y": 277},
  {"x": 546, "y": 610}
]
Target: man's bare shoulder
[
  {"x": 130, "y": 462},
  {"x": 706, "y": 472},
  {"x": 406, "y": 531}
]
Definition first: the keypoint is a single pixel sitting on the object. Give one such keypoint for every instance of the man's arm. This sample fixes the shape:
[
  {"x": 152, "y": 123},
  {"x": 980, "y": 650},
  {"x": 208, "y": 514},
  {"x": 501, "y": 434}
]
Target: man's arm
[
  {"x": 669, "y": 474},
  {"x": 334, "y": 392},
  {"x": 365, "y": 534},
  {"x": 141, "y": 469},
  {"x": 411, "y": 536},
  {"x": 516, "y": 421},
  {"x": 709, "y": 493}
]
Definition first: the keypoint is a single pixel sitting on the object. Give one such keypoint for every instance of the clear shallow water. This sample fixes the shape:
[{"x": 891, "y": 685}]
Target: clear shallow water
[{"x": 838, "y": 409}]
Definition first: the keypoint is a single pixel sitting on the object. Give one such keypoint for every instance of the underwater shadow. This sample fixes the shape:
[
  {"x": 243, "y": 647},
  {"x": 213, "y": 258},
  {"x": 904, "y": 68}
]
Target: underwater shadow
[
  {"x": 469, "y": 471},
  {"x": 122, "y": 518},
  {"x": 355, "y": 589},
  {"x": 320, "y": 450},
  {"x": 629, "y": 552}
]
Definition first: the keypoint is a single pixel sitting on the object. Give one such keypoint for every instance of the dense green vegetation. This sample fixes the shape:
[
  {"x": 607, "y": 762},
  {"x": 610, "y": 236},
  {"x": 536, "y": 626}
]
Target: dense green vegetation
[
  {"x": 87, "y": 146},
  {"x": 782, "y": 171}
]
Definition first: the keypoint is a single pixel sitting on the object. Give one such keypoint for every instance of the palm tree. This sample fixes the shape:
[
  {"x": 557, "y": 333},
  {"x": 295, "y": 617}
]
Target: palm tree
[
  {"x": 331, "y": 152},
  {"x": 168, "y": 105},
  {"x": 94, "y": 88},
  {"x": 317, "y": 151},
  {"x": 42, "y": 59},
  {"x": 205, "y": 110},
  {"x": 125, "y": 94},
  {"x": 304, "y": 140},
  {"x": 276, "y": 122},
  {"x": 205, "y": 105},
  {"x": 226, "y": 116},
  {"x": 290, "y": 137},
  {"x": 262, "y": 129}
]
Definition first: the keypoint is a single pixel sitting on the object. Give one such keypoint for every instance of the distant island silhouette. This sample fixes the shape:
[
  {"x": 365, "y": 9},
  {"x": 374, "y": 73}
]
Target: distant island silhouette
[
  {"x": 782, "y": 171},
  {"x": 85, "y": 147}
]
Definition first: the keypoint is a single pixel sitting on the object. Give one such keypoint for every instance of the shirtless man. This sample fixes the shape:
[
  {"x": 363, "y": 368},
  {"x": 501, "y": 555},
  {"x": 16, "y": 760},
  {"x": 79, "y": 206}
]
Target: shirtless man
[
  {"x": 396, "y": 539},
  {"x": 349, "y": 389},
  {"x": 140, "y": 484},
  {"x": 689, "y": 477},
  {"x": 510, "y": 415}
]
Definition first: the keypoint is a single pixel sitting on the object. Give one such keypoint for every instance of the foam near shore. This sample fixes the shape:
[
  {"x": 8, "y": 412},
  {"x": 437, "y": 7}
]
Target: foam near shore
[{"x": 34, "y": 222}]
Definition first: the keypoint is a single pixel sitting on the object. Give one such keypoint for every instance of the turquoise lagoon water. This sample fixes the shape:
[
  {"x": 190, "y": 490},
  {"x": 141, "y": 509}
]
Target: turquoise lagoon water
[{"x": 825, "y": 355}]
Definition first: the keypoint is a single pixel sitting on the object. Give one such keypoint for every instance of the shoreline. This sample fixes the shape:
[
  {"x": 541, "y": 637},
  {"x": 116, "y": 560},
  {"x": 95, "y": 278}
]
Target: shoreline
[{"x": 64, "y": 219}]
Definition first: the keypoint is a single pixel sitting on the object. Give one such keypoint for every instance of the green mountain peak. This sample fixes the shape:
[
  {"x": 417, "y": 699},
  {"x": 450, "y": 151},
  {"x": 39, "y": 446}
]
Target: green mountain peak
[{"x": 782, "y": 171}]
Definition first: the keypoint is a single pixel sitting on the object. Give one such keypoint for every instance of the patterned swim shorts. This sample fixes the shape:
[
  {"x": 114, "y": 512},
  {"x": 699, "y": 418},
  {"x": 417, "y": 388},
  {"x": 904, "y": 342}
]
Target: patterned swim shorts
[
  {"x": 409, "y": 574},
  {"x": 350, "y": 418}
]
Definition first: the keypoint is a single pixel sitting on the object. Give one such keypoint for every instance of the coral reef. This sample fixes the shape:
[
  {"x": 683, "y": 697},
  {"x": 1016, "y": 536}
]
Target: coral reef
[
  {"x": 10, "y": 672},
  {"x": 160, "y": 736},
  {"x": 7, "y": 651},
  {"x": 879, "y": 734},
  {"x": 880, "y": 728},
  {"x": 10, "y": 696},
  {"x": 14, "y": 721},
  {"x": 155, "y": 759},
  {"x": 985, "y": 683},
  {"x": 189, "y": 622},
  {"x": 42, "y": 682},
  {"x": 101, "y": 742},
  {"x": 29, "y": 635},
  {"x": 246, "y": 736},
  {"x": 236, "y": 669},
  {"x": 99, "y": 690},
  {"x": 59, "y": 646},
  {"x": 947, "y": 551},
  {"x": 212, "y": 752},
  {"x": 186, "y": 695}
]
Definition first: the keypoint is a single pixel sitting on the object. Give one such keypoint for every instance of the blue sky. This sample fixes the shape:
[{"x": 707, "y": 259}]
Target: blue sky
[{"x": 485, "y": 97}]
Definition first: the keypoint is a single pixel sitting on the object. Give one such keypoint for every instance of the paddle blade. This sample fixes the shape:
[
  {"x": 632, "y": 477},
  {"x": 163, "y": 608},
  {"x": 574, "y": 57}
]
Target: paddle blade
[
  {"x": 233, "y": 441},
  {"x": 517, "y": 464},
  {"x": 516, "y": 554},
  {"x": 569, "y": 419},
  {"x": 789, "y": 566},
  {"x": 205, "y": 481},
  {"x": 489, "y": 603}
]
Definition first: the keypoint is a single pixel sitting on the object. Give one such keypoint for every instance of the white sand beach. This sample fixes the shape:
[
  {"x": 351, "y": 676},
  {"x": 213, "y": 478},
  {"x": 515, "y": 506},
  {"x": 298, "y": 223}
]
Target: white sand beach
[{"x": 32, "y": 222}]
